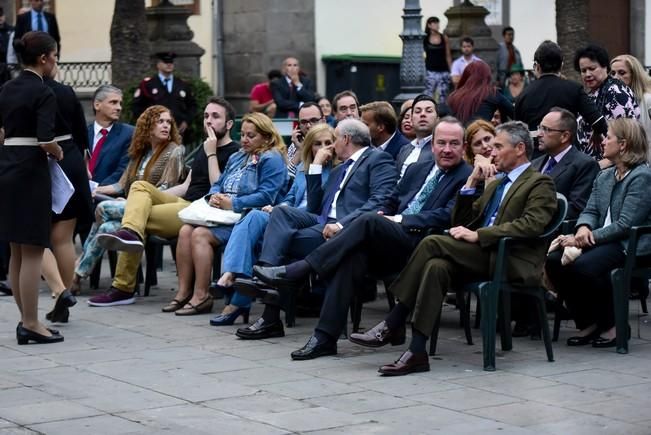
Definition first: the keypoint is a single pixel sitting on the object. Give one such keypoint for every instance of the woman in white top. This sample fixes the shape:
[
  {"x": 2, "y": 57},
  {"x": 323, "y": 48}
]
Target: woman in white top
[{"x": 629, "y": 70}]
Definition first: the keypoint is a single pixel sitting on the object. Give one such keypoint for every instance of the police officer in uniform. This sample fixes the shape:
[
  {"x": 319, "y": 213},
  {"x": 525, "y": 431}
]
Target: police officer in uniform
[{"x": 167, "y": 90}]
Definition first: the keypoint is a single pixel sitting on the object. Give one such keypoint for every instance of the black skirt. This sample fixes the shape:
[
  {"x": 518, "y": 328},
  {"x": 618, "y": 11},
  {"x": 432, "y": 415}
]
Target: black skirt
[
  {"x": 25, "y": 196},
  {"x": 80, "y": 205}
]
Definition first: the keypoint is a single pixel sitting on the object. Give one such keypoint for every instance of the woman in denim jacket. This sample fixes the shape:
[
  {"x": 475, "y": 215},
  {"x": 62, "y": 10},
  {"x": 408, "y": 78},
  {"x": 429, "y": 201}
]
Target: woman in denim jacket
[
  {"x": 253, "y": 178},
  {"x": 619, "y": 201},
  {"x": 242, "y": 248}
]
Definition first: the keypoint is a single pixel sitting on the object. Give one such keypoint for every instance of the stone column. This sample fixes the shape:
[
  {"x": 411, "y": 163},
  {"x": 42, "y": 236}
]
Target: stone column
[
  {"x": 468, "y": 20},
  {"x": 169, "y": 31},
  {"x": 412, "y": 64}
]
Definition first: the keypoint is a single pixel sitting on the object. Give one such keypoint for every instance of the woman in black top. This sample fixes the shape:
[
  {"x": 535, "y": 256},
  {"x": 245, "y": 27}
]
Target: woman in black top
[
  {"x": 27, "y": 114},
  {"x": 438, "y": 60},
  {"x": 476, "y": 96},
  {"x": 59, "y": 262}
]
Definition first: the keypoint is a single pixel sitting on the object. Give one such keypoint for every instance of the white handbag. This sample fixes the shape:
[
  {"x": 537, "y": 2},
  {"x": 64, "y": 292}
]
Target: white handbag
[{"x": 202, "y": 214}]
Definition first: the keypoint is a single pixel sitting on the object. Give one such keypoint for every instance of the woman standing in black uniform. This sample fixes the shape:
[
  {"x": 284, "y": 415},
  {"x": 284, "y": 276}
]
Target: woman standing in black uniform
[
  {"x": 27, "y": 114},
  {"x": 59, "y": 263}
]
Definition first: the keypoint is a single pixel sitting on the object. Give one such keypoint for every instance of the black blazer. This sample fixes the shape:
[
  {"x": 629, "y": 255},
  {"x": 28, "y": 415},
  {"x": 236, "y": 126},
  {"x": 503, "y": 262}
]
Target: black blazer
[
  {"x": 396, "y": 143},
  {"x": 437, "y": 210},
  {"x": 24, "y": 25},
  {"x": 285, "y": 101},
  {"x": 181, "y": 101},
  {"x": 424, "y": 156},
  {"x": 368, "y": 185},
  {"x": 550, "y": 90},
  {"x": 573, "y": 177}
]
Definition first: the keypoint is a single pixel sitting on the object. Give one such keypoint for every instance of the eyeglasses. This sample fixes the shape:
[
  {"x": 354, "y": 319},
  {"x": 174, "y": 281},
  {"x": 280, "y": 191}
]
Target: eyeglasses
[
  {"x": 547, "y": 130},
  {"x": 309, "y": 121}
]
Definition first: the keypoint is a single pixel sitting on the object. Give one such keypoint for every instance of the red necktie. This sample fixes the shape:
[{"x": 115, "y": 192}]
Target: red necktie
[{"x": 98, "y": 148}]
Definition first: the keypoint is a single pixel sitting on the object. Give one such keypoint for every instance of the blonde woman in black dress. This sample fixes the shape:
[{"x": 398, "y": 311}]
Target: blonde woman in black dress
[{"x": 27, "y": 114}]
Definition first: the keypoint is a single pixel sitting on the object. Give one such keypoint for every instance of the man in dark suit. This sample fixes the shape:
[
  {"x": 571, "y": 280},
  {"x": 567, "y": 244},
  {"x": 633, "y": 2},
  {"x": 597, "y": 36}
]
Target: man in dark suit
[
  {"x": 520, "y": 204},
  {"x": 108, "y": 138},
  {"x": 166, "y": 89},
  {"x": 423, "y": 118},
  {"x": 381, "y": 241},
  {"x": 37, "y": 19},
  {"x": 550, "y": 90},
  {"x": 291, "y": 90},
  {"x": 382, "y": 122},
  {"x": 573, "y": 172},
  {"x": 362, "y": 183}
]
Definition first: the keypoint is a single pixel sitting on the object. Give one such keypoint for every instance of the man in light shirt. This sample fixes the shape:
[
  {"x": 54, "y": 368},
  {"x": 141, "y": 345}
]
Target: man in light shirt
[
  {"x": 423, "y": 119},
  {"x": 467, "y": 57}
]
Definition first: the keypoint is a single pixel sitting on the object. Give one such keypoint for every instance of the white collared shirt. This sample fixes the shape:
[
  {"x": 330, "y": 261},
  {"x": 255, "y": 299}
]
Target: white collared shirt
[
  {"x": 96, "y": 129},
  {"x": 317, "y": 169},
  {"x": 415, "y": 153},
  {"x": 384, "y": 146},
  {"x": 557, "y": 157}
]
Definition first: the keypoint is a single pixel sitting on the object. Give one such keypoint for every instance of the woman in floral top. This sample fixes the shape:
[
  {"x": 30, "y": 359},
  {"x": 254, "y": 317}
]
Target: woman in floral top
[{"x": 612, "y": 97}]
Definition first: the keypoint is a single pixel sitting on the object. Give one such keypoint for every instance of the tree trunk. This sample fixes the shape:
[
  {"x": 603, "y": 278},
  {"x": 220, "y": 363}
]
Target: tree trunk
[
  {"x": 571, "y": 31},
  {"x": 130, "y": 59}
]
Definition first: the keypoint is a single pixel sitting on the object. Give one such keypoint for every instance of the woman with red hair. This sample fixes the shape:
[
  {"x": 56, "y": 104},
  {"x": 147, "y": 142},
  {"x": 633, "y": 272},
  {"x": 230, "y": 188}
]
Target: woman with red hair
[{"x": 476, "y": 96}]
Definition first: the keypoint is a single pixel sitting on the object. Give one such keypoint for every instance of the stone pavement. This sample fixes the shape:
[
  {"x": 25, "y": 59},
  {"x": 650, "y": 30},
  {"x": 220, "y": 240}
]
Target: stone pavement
[{"x": 135, "y": 370}]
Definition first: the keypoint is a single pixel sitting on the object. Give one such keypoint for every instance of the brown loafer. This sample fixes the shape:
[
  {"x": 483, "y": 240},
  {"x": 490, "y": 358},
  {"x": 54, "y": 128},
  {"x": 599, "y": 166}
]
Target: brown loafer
[
  {"x": 202, "y": 307},
  {"x": 175, "y": 305},
  {"x": 379, "y": 336},
  {"x": 407, "y": 363}
]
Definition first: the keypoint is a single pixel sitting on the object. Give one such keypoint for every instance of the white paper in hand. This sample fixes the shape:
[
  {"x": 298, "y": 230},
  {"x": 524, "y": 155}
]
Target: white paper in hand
[{"x": 62, "y": 188}]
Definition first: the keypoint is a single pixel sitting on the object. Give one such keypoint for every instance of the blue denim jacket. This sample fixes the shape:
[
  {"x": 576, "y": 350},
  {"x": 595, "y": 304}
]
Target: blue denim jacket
[
  {"x": 261, "y": 181},
  {"x": 295, "y": 196}
]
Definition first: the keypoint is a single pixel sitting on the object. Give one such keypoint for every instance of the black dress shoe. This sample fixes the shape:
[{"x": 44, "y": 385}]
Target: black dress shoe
[
  {"x": 275, "y": 276},
  {"x": 5, "y": 290},
  {"x": 600, "y": 342},
  {"x": 24, "y": 336},
  {"x": 407, "y": 363},
  {"x": 253, "y": 288},
  {"x": 314, "y": 349},
  {"x": 60, "y": 312},
  {"x": 379, "y": 336},
  {"x": 582, "y": 341},
  {"x": 260, "y": 330}
]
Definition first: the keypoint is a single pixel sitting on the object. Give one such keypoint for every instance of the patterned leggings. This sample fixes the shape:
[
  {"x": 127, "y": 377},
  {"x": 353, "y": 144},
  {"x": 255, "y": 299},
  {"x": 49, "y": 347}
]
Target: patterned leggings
[
  {"x": 438, "y": 81},
  {"x": 108, "y": 218}
]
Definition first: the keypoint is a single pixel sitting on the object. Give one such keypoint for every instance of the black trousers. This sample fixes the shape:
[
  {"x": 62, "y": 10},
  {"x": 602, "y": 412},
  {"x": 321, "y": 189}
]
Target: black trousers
[
  {"x": 370, "y": 244},
  {"x": 585, "y": 284},
  {"x": 290, "y": 234}
]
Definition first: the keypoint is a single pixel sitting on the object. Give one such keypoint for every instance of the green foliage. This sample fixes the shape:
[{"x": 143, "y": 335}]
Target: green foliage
[{"x": 201, "y": 91}]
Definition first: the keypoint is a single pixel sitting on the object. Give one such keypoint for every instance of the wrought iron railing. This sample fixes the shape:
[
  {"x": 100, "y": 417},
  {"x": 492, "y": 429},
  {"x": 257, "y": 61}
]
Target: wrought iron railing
[{"x": 79, "y": 75}]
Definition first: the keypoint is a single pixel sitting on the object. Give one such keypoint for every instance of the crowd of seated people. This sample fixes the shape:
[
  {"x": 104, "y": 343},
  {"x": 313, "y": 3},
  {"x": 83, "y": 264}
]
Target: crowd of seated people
[{"x": 374, "y": 195}]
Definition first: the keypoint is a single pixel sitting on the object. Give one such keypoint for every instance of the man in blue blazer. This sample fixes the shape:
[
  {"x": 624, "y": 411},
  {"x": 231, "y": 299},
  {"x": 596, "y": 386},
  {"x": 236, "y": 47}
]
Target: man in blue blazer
[
  {"x": 382, "y": 122},
  {"x": 108, "y": 157},
  {"x": 362, "y": 183},
  {"x": 381, "y": 241},
  {"x": 423, "y": 117}
]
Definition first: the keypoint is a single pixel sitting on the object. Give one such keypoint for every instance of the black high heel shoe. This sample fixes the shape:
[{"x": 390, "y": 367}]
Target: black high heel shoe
[
  {"x": 24, "y": 336},
  {"x": 60, "y": 312}
]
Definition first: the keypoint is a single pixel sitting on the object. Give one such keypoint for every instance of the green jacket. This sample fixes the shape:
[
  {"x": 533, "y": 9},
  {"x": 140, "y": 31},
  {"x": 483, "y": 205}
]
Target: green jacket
[{"x": 526, "y": 210}]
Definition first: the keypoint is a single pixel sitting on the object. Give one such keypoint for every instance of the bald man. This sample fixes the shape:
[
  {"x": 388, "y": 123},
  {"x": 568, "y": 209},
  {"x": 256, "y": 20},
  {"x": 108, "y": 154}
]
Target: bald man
[{"x": 291, "y": 90}]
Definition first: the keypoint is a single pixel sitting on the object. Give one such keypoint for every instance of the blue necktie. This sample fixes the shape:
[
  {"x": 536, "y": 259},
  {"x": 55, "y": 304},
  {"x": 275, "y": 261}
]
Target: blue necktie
[
  {"x": 495, "y": 201},
  {"x": 167, "y": 85},
  {"x": 39, "y": 22},
  {"x": 417, "y": 205},
  {"x": 329, "y": 196},
  {"x": 550, "y": 165}
]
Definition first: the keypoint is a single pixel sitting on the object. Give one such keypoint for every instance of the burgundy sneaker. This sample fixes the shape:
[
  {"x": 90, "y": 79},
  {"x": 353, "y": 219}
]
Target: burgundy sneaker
[
  {"x": 111, "y": 298},
  {"x": 121, "y": 240}
]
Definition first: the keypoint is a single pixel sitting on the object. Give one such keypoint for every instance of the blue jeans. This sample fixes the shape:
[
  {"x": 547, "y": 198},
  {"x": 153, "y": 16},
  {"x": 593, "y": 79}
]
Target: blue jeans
[
  {"x": 108, "y": 219},
  {"x": 241, "y": 250}
]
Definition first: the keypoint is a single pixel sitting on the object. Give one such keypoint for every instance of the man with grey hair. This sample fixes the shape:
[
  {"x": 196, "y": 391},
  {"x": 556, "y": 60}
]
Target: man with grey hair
[
  {"x": 108, "y": 139},
  {"x": 520, "y": 205},
  {"x": 360, "y": 184}
]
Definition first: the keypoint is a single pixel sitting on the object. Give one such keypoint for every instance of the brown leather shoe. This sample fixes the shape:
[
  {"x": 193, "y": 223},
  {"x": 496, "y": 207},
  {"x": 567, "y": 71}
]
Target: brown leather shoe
[
  {"x": 407, "y": 363},
  {"x": 379, "y": 336}
]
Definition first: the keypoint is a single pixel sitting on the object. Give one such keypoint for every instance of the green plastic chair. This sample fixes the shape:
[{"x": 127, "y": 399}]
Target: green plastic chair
[
  {"x": 621, "y": 282},
  {"x": 490, "y": 291}
]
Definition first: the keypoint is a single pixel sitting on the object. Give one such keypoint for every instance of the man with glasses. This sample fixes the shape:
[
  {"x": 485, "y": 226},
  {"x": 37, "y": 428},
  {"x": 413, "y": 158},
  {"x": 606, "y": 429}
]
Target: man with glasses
[
  {"x": 573, "y": 172},
  {"x": 309, "y": 115},
  {"x": 346, "y": 105}
]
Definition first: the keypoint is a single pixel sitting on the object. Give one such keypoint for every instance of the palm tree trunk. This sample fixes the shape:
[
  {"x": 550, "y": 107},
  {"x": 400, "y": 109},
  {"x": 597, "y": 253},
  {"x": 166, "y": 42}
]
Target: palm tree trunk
[
  {"x": 130, "y": 58},
  {"x": 572, "y": 31}
]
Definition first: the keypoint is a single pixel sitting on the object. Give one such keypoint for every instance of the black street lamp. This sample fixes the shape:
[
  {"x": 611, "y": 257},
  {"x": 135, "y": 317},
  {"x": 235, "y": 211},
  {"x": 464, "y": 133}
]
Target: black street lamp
[{"x": 412, "y": 64}]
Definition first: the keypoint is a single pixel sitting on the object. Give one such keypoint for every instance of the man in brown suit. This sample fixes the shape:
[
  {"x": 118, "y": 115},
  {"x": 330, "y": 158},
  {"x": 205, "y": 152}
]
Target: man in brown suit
[{"x": 519, "y": 204}]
